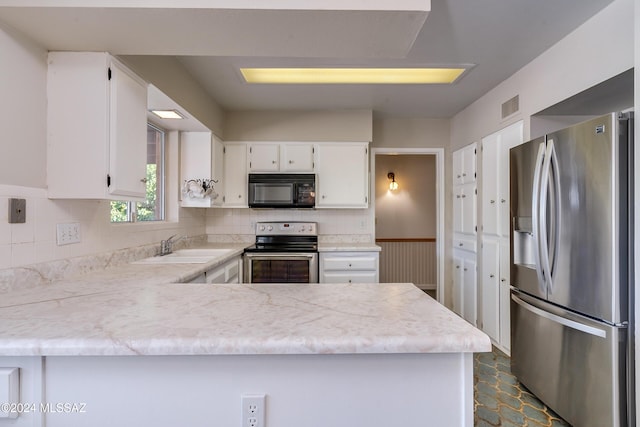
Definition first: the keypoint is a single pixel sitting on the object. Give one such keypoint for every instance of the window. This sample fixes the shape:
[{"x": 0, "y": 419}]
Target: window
[{"x": 153, "y": 208}]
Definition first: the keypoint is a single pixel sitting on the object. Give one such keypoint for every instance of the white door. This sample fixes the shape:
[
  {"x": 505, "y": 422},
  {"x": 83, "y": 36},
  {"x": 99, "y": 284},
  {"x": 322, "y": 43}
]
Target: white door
[{"x": 470, "y": 291}]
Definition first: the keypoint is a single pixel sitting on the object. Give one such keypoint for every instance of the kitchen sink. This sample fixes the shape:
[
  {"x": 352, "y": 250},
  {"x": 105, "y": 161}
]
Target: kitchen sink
[{"x": 186, "y": 256}]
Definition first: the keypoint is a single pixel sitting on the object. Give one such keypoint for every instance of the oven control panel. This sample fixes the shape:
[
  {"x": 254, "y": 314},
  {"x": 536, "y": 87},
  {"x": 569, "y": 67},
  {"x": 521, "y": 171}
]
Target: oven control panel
[{"x": 287, "y": 228}]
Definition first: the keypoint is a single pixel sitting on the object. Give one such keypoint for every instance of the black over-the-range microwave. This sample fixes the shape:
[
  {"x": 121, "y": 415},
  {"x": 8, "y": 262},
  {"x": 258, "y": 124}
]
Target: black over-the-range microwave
[{"x": 286, "y": 190}]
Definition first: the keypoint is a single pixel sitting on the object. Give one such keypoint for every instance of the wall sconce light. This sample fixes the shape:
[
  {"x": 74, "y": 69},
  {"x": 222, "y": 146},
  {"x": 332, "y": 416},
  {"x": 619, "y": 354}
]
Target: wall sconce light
[{"x": 393, "y": 185}]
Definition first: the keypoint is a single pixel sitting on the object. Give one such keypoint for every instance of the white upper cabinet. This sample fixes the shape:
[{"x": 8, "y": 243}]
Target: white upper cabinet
[
  {"x": 201, "y": 169},
  {"x": 264, "y": 157},
  {"x": 235, "y": 175},
  {"x": 464, "y": 190},
  {"x": 281, "y": 157},
  {"x": 495, "y": 178},
  {"x": 96, "y": 128},
  {"x": 464, "y": 165},
  {"x": 297, "y": 157},
  {"x": 342, "y": 171}
]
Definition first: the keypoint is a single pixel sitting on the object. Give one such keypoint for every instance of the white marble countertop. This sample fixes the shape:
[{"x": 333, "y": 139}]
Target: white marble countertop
[
  {"x": 348, "y": 247},
  {"x": 139, "y": 309}
]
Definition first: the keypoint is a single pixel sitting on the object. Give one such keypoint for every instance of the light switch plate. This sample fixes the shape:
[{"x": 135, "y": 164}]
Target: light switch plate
[
  {"x": 17, "y": 211},
  {"x": 9, "y": 390}
]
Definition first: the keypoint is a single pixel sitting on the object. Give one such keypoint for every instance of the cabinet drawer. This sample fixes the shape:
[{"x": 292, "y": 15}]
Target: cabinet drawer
[
  {"x": 350, "y": 263},
  {"x": 350, "y": 277},
  {"x": 465, "y": 244}
]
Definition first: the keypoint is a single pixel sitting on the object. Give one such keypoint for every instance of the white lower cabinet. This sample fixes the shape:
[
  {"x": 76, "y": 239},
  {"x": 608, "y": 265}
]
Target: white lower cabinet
[
  {"x": 229, "y": 272},
  {"x": 465, "y": 284},
  {"x": 490, "y": 286},
  {"x": 495, "y": 291},
  {"x": 349, "y": 267}
]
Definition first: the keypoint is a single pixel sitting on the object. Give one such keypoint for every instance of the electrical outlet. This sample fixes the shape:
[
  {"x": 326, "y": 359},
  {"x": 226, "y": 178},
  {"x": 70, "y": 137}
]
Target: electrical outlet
[
  {"x": 253, "y": 407},
  {"x": 68, "y": 233}
]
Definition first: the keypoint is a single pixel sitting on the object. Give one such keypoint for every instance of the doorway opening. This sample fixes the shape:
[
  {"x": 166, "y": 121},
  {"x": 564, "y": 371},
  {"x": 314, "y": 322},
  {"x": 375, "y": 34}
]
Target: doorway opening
[{"x": 409, "y": 219}]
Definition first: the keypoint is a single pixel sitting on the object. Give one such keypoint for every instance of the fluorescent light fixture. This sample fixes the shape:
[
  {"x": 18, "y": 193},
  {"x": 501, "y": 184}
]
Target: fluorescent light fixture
[
  {"x": 168, "y": 114},
  {"x": 351, "y": 75}
]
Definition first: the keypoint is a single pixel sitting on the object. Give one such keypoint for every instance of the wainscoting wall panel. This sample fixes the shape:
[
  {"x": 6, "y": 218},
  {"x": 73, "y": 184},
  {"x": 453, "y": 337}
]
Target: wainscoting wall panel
[{"x": 409, "y": 260}]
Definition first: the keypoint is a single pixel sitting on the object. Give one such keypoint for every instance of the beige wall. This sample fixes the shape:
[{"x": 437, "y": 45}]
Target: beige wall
[
  {"x": 599, "y": 49},
  {"x": 23, "y": 87},
  {"x": 347, "y": 125},
  {"x": 168, "y": 75},
  {"x": 409, "y": 211},
  {"x": 23, "y": 152}
]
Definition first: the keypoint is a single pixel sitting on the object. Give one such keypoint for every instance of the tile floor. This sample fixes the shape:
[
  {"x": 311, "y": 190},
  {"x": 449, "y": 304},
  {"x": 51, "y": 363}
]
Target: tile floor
[{"x": 501, "y": 401}]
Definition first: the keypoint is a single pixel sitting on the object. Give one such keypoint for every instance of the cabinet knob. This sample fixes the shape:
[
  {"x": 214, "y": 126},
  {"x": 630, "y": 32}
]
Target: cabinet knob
[
  {"x": 465, "y": 269},
  {"x": 464, "y": 174},
  {"x": 460, "y": 244},
  {"x": 290, "y": 162},
  {"x": 144, "y": 180},
  {"x": 349, "y": 264},
  {"x": 502, "y": 200},
  {"x": 459, "y": 176},
  {"x": 458, "y": 196},
  {"x": 492, "y": 201},
  {"x": 323, "y": 196},
  {"x": 457, "y": 266},
  {"x": 239, "y": 196},
  {"x": 491, "y": 276},
  {"x": 273, "y": 162},
  {"x": 463, "y": 196},
  {"x": 503, "y": 280},
  {"x": 349, "y": 280}
]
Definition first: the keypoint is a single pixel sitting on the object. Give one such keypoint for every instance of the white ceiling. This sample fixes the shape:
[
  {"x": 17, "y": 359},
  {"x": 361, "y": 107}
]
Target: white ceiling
[{"x": 495, "y": 37}]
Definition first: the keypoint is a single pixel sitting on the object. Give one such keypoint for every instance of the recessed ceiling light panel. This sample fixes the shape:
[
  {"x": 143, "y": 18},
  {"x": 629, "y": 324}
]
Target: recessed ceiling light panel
[
  {"x": 351, "y": 75},
  {"x": 168, "y": 114}
]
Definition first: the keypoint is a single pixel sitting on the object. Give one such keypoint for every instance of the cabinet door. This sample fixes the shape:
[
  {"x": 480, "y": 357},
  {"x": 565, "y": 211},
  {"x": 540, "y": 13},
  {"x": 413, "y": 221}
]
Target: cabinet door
[
  {"x": 195, "y": 155},
  {"x": 342, "y": 175},
  {"x": 127, "y": 134},
  {"x": 470, "y": 291},
  {"x": 490, "y": 286},
  {"x": 264, "y": 157},
  {"x": 505, "y": 294},
  {"x": 235, "y": 175},
  {"x": 491, "y": 176},
  {"x": 468, "y": 198},
  {"x": 469, "y": 163},
  {"x": 458, "y": 159},
  {"x": 457, "y": 209},
  {"x": 296, "y": 157},
  {"x": 217, "y": 174},
  {"x": 458, "y": 282}
]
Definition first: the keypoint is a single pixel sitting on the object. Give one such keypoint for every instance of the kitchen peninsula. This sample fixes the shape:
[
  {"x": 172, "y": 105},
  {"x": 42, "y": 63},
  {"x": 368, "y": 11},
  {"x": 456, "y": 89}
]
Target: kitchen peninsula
[{"x": 137, "y": 350}]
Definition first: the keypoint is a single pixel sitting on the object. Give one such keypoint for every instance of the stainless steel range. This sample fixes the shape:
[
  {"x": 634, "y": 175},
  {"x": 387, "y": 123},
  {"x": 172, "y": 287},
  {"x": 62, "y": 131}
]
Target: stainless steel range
[{"x": 285, "y": 252}]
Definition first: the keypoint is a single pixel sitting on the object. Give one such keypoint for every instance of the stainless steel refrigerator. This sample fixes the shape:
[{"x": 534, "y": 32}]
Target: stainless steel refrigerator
[{"x": 571, "y": 260}]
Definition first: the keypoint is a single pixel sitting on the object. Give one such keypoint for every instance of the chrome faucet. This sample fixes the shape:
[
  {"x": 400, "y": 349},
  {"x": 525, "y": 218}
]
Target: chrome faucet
[{"x": 166, "y": 246}]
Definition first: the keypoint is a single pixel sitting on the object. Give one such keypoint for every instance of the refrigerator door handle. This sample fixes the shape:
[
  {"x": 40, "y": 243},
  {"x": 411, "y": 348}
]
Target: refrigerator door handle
[
  {"x": 554, "y": 232},
  {"x": 558, "y": 319},
  {"x": 535, "y": 217},
  {"x": 548, "y": 222}
]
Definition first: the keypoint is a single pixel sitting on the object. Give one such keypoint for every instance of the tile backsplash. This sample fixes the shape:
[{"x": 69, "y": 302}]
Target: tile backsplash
[
  {"x": 355, "y": 223},
  {"x": 35, "y": 240}
]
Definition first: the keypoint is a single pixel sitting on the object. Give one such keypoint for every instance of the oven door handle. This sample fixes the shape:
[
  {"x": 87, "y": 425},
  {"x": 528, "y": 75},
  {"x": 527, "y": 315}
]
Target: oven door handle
[{"x": 288, "y": 256}]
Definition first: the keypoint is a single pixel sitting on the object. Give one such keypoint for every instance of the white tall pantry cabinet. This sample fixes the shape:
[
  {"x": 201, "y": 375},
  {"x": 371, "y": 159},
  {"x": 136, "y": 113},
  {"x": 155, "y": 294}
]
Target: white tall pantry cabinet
[
  {"x": 96, "y": 128},
  {"x": 495, "y": 246},
  {"x": 464, "y": 233}
]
